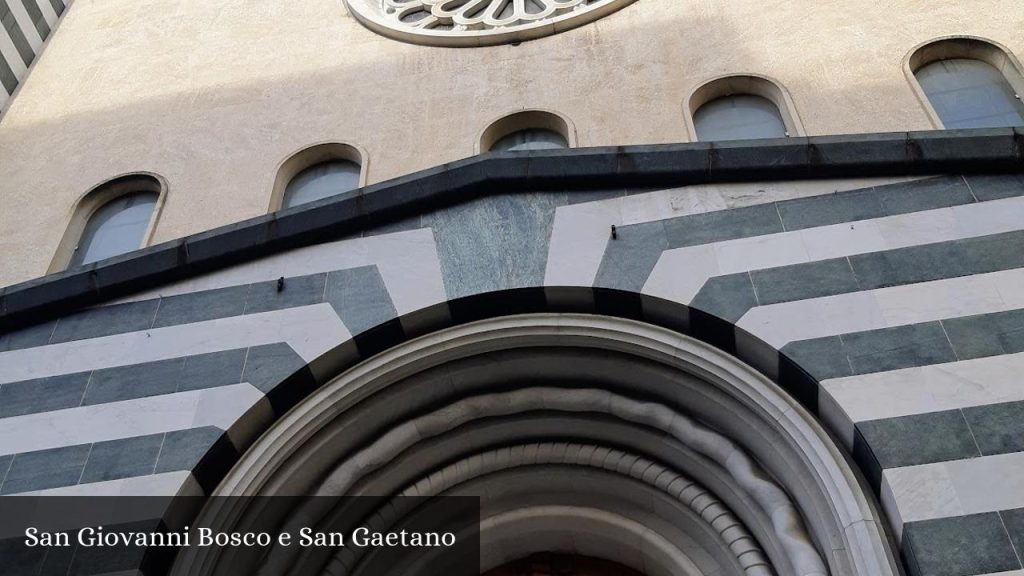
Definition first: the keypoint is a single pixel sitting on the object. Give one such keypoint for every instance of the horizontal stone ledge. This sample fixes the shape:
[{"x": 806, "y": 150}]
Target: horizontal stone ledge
[{"x": 855, "y": 155}]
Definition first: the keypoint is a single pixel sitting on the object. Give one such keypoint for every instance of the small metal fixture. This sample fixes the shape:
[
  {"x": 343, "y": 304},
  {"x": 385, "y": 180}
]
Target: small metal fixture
[
  {"x": 280, "y": 284},
  {"x": 615, "y": 233}
]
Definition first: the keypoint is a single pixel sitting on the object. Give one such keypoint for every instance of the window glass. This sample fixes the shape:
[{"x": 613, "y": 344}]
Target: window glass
[
  {"x": 117, "y": 227},
  {"x": 739, "y": 117},
  {"x": 321, "y": 181},
  {"x": 530, "y": 139},
  {"x": 970, "y": 94}
]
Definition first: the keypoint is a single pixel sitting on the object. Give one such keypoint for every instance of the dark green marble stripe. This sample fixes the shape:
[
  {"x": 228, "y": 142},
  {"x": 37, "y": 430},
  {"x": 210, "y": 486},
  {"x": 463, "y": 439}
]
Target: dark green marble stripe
[
  {"x": 628, "y": 261},
  {"x": 923, "y": 344},
  {"x": 358, "y": 295},
  {"x": 109, "y": 460},
  {"x": 732, "y": 295}
]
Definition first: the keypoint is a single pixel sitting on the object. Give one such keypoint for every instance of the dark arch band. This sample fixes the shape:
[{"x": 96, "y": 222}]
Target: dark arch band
[{"x": 581, "y": 308}]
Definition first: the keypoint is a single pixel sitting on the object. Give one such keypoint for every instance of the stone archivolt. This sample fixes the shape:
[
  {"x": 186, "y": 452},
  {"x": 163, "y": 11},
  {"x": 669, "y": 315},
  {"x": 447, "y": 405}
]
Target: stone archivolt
[{"x": 584, "y": 435}]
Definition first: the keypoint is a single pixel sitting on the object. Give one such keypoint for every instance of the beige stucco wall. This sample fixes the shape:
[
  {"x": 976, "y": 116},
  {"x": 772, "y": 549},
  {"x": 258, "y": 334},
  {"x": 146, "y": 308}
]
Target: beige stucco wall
[{"x": 214, "y": 95}]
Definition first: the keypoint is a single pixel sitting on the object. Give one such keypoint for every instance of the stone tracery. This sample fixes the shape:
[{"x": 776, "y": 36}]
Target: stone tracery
[
  {"x": 477, "y": 22},
  {"x": 478, "y": 14}
]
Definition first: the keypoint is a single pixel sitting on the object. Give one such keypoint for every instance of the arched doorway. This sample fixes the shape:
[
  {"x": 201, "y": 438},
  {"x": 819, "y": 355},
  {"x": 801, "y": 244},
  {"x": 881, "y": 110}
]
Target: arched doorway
[{"x": 584, "y": 436}]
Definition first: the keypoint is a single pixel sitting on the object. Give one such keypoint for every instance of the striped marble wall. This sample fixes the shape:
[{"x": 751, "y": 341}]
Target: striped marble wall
[
  {"x": 24, "y": 26},
  {"x": 902, "y": 298}
]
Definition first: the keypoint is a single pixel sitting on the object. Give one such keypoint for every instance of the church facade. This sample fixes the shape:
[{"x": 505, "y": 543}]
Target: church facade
[{"x": 680, "y": 287}]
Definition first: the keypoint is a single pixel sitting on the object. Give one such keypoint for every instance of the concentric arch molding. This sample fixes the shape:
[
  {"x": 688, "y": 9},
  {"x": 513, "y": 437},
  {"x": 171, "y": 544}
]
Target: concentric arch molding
[
  {"x": 477, "y": 22},
  {"x": 640, "y": 379}
]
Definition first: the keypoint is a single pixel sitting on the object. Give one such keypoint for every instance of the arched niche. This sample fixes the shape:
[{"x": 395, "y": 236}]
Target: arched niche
[
  {"x": 310, "y": 158},
  {"x": 141, "y": 192},
  {"x": 751, "y": 85},
  {"x": 539, "y": 121},
  {"x": 986, "y": 53}
]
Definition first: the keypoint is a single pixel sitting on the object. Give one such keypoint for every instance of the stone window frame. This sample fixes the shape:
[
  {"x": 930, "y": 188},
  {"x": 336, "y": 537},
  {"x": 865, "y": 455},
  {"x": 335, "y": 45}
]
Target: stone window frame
[
  {"x": 534, "y": 118},
  {"x": 960, "y": 46},
  {"x": 743, "y": 84},
  {"x": 99, "y": 196},
  {"x": 311, "y": 155}
]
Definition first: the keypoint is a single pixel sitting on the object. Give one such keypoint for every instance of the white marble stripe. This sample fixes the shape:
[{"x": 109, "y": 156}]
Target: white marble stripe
[
  {"x": 25, "y": 23},
  {"x": 581, "y": 231},
  {"x": 9, "y": 52},
  {"x": 779, "y": 324},
  {"x": 219, "y": 407},
  {"x": 48, "y": 12},
  {"x": 178, "y": 483},
  {"x": 309, "y": 330},
  {"x": 956, "y": 488},
  {"x": 4, "y": 96},
  {"x": 407, "y": 261},
  {"x": 919, "y": 390},
  {"x": 929, "y": 388},
  {"x": 681, "y": 273},
  {"x": 579, "y": 237}
]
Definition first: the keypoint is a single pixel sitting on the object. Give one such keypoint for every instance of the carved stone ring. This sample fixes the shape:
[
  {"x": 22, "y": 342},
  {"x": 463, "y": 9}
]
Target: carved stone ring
[{"x": 477, "y": 22}]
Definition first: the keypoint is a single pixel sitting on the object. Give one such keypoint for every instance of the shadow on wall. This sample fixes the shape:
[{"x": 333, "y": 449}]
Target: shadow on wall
[
  {"x": 216, "y": 123},
  {"x": 218, "y": 145}
]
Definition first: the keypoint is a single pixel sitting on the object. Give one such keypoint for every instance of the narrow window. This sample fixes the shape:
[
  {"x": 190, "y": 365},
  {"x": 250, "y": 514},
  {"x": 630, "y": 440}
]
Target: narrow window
[
  {"x": 738, "y": 117},
  {"x": 320, "y": 181},
  {"x": 741, "y": 107},
  {"x": 527, "y": 130},
  {"x": 530, "y": 139},
  {"x": 317, "y": 172},
  {"x": 117, "y": 227},
  {"x": 968, "y": 93}
]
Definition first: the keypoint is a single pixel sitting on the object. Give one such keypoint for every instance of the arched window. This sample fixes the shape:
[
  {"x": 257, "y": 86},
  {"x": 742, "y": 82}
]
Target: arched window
[
  {"x": 320, "y": 181},
  {"x": 119, "y": 226},
  {"x": 969, "y": 83},
  {"x": 738, "y": 117},
  {"x": 741, "y": 108},
  {"x": 530, "y": 139},
  {"x": 529, "y": 130},
  {"x": 969, "y": 93},
  {"x": 316, "y": 173},
  {"x": 112, "y": 219}
]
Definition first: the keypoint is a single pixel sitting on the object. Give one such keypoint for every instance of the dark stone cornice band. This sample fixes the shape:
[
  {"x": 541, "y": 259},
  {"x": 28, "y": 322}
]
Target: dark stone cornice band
[{"x": 666, "y": 165}]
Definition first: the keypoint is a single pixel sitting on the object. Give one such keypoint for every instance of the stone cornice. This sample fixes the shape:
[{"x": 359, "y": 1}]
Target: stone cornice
[{"x": 583, "y": 169}]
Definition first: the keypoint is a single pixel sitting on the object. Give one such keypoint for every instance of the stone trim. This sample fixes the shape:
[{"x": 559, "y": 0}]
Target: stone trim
[
  {"x": 745, "y": 473},
  {"x": 704, "y": 504},
  {"x": 914, "y": 153},
  {"x": 960, "y": 46},
  {"x": 311, "y": 155},
  {"x": 743, "y": 84},
  {"x": 99, "y": 196}
]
